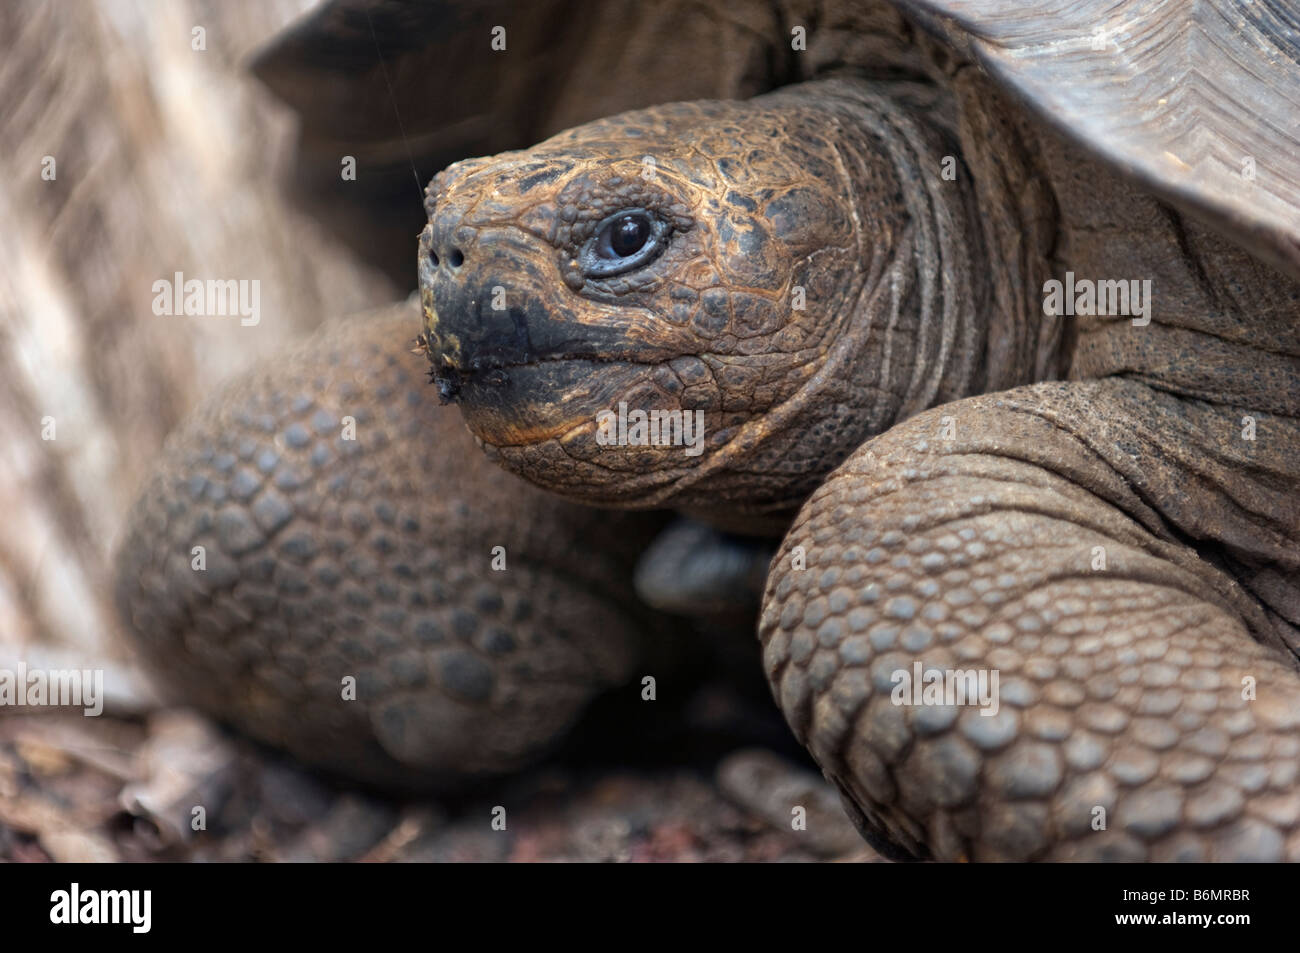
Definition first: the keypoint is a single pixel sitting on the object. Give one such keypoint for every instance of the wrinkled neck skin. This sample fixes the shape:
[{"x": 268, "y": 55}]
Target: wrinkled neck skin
[
  {"x": 830, "y": 276},
  {"x": 894, "y": 311},
  {"x": 902, "y": 321}
]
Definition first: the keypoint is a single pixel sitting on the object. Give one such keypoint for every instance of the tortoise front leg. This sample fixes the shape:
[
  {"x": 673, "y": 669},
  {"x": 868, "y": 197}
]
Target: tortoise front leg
[
  {"x": 1146, "y": 705},
  {"x": 323, "y": 559}
]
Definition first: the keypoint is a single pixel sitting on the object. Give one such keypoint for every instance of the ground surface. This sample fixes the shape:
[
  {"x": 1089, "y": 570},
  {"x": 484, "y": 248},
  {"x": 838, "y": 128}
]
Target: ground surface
[{"x": 108, "y": 789}]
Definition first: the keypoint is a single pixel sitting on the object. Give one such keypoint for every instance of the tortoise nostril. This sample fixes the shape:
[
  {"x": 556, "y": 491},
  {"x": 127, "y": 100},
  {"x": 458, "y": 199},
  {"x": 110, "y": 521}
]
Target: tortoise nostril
[
  {"x": 433, "y": 257},
  {"x": 456, "y": 258}
]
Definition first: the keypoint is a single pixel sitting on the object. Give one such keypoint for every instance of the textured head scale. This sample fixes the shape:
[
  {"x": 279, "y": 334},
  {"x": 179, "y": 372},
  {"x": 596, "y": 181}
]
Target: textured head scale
[{"x": 744, "y": 241}]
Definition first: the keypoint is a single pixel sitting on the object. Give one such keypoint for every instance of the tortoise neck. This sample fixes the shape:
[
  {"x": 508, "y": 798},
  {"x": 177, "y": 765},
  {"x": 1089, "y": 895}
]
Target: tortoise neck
[{"x": 944, "y": 303}]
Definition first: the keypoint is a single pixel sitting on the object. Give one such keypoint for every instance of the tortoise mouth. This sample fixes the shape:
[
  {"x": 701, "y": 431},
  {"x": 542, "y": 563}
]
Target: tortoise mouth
[
  {"x": 460, "y": 385},
  {"x": 517, "y": 403},
  {"x": 601, "y": 431}
]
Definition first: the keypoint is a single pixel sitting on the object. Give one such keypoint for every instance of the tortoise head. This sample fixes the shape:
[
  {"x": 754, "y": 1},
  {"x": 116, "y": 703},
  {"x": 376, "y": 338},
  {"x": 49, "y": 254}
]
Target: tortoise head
[{"x": 655, "y": 308}]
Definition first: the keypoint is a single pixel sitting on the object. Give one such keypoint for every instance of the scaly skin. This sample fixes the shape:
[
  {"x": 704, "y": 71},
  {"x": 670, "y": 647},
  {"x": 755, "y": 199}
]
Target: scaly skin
[
  {"x": 1110, "y": 545},
  {"x": 372, "y": 557},
  {"x": 1157, "y": 683},
  {"x": 1121, "y": 682}
]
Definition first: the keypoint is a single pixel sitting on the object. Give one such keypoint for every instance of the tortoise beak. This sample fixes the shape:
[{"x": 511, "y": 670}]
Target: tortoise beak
[
  {"x": 444, "y": 354},
  {"x": 493, "y": 302}
]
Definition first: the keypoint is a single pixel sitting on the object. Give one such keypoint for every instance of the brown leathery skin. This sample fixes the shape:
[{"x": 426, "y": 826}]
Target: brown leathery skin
[
  {"x": 1222, "y": 356},
  {"x": 826, "y": 190},
  {"x": 1124, "y": 551},
  {"x": 372, "y": 558},
  {"x": 1121, "y": 688}
]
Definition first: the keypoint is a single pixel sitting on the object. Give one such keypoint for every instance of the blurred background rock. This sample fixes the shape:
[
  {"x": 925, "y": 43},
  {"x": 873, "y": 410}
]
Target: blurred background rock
[{"x": 167, "y": 159}]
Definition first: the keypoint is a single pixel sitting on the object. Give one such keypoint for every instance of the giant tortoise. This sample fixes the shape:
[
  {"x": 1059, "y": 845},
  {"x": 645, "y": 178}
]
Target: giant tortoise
[{"x": 986, "y": 310}]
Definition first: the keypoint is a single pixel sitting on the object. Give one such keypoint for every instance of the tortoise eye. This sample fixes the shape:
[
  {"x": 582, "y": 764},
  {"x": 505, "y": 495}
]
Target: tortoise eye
[
  {"x": 624, "y": 241},
  {"x": 624, "y": 237}
]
